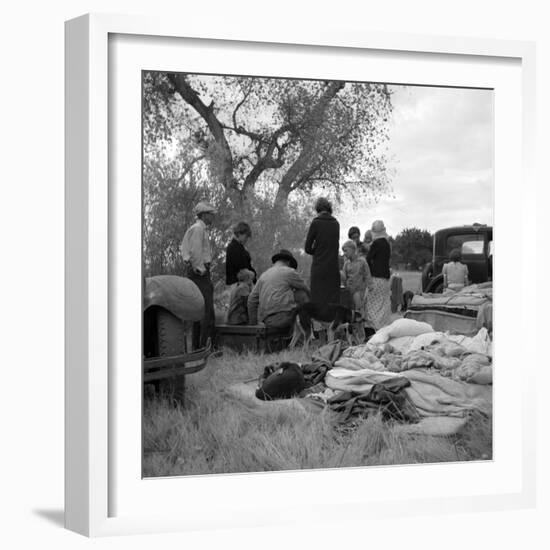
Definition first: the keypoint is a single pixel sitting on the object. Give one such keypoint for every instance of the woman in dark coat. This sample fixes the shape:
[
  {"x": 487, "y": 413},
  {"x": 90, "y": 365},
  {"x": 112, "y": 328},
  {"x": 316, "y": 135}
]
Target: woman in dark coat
[
  {"x": 237, "y": 256},
  {"x": 322, "y": 243}
]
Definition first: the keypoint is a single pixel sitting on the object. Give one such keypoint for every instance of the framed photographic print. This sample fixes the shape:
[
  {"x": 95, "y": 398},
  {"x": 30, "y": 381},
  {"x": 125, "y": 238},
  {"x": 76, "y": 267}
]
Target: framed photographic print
[{"x": 281, "y": 274}]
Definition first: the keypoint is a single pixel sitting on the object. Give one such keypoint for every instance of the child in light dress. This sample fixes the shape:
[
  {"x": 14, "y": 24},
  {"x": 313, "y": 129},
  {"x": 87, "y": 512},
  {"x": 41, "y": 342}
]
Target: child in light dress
[
  {"x": 356, "y": 275},
  {"x": 455, "y": 273}
]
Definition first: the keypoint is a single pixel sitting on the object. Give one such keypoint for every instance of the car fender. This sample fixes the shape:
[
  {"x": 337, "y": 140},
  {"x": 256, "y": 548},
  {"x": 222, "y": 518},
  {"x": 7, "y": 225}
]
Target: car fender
[
  {"x": 426, "y": 275},
  {"x": 434, "y": 283}
]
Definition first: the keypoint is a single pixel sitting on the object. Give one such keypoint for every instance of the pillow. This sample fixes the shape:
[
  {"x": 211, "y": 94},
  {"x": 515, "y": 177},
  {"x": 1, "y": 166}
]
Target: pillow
[{"x": 400, "y": 327}]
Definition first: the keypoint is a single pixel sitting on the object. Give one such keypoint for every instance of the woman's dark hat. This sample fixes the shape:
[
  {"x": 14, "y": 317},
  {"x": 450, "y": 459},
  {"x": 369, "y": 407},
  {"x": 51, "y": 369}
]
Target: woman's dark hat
[{"x": 286, "y": 256}]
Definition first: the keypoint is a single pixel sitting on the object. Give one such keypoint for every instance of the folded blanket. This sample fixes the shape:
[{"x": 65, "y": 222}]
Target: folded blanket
[
  {"x": 436, "y": 395},
  {"x": 366, "y": 362},
  {"x": 431, "y": 393}
]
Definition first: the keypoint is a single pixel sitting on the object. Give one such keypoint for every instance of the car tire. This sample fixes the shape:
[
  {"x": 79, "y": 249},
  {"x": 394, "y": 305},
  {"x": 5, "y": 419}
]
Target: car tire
[{"x": 172, "y": 340}]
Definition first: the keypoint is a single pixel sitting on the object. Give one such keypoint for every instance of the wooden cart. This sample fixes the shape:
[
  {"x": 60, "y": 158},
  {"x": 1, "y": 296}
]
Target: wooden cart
[{"x": 257, "y": 338}]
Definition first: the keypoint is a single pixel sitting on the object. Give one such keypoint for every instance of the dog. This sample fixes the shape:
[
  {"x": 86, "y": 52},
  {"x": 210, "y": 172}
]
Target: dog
[{"x": 338, "y": 317}]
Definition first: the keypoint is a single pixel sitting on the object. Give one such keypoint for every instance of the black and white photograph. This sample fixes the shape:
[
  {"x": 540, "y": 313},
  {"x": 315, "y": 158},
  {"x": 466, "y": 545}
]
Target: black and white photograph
[
  {"x": 260, "y": 241},
  {"x": 317, "y": 274}
]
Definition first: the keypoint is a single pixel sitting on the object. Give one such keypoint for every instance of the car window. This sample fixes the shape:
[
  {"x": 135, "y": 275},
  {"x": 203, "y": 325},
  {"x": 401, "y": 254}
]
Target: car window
[
  {"x": 467, "y": 244},
  {"x": 472, "y": 247}
]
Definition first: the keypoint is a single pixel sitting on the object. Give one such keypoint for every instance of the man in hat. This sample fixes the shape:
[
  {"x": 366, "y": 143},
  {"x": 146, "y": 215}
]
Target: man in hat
[
  {"x": 197, "y": 256},
  {"x": 272, "y": 299}
]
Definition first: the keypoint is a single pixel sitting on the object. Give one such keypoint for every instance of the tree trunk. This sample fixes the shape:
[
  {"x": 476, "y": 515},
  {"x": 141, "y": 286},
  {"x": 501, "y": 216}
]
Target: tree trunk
[
  {"x": 191, "y": 97},
  {"x": 281, "y": 198}
]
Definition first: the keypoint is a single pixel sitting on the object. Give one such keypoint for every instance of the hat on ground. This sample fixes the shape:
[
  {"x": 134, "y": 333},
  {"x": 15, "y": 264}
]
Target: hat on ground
[
  {"x": 204, "y": 207},
  {"x": 378, "y": 230},
  {"x": 349, "y": 244},
  {"x": 286, "y": 256},
  {"x": 286, "y": 382}
]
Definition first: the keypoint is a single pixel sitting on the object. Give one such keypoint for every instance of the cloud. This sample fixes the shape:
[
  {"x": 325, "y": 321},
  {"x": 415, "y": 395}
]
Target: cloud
[{"x": 441, "y": 151}]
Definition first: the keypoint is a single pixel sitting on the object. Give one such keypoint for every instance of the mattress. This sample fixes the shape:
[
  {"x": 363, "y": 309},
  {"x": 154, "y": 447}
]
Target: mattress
[{"x": 451, "y": 311}]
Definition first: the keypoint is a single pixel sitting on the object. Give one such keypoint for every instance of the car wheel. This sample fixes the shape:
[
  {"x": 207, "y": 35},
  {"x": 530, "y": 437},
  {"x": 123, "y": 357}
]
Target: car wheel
[{"x": 172, "y": 340}]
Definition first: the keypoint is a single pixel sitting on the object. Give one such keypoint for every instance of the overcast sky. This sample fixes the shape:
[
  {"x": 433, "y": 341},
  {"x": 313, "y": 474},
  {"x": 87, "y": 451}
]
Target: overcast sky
[{"x": 441, "y": 149}]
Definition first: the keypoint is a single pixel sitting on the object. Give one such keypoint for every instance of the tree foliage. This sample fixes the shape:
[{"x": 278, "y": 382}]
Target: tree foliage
[{"x": 413, "y": 247}]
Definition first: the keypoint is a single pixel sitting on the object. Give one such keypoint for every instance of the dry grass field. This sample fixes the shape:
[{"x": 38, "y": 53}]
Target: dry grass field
[{"x": 216, "y": 432}]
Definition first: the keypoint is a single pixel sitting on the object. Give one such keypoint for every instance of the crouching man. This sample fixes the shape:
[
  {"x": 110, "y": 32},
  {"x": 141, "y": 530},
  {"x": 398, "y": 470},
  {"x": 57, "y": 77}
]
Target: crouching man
[{"x": 273, "y": 299}]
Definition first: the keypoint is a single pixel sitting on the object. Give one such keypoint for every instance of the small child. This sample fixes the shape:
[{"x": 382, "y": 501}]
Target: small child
[
  {"x": 362, "y": 250},
  {"x": 356, "y": 275},
  {"x": 238, "y": 300},
  {"x": 455, "y": 273}
]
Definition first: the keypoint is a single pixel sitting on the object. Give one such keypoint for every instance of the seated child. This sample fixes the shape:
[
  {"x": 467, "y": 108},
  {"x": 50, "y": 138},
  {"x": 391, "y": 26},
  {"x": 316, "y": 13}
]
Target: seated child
[
  {"x": 455, "y": 273},
  {"x": 238, "y": 300}
]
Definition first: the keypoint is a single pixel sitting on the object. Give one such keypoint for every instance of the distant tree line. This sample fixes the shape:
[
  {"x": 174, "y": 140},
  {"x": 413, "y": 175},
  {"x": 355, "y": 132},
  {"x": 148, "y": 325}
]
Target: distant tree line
[{"x": 412, "y": 248}]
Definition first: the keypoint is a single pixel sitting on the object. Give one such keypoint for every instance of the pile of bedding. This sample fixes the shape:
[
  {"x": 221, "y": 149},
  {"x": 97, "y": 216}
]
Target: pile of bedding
[
  {"x": 392, "y": 349},
  {"x": 407, "y": 372}
]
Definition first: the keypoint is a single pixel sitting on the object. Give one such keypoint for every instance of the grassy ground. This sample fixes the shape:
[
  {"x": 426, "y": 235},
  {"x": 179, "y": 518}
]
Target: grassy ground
[
  {"x": 218, "y": 433},
  {"x": 411, "y": 280}
]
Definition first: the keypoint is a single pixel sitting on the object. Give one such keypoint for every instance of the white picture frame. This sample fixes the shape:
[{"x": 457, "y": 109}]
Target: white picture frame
[{"x": 94, "y": 442}]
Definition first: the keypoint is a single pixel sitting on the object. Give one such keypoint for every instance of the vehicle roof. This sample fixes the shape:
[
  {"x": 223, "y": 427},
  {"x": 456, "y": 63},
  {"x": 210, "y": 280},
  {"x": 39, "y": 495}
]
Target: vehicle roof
[{"x": 470, "y": 228}]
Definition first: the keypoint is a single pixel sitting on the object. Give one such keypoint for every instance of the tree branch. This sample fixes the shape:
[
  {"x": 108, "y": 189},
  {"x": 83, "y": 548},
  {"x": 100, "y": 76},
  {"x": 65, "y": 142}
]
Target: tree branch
[
  {"x": 191, "y": 97},
  {"x": 239, "y": 105},
  {"x": 243, "y": 132},
  {"x": 188, "y": 168},
  {"x": 267, "y": 161},
  {"x": 315, "y": 122}
]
